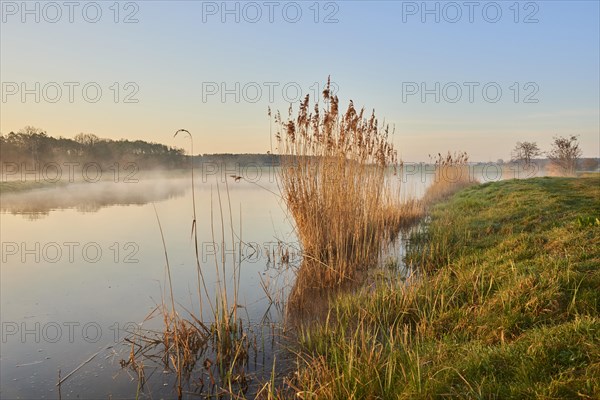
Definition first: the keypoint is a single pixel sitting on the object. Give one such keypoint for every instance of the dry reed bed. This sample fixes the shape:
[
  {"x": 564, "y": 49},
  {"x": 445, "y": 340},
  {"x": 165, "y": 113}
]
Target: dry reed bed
[
  {"x": 333, "y": 180},
  {"x": 451, "y": 174}
]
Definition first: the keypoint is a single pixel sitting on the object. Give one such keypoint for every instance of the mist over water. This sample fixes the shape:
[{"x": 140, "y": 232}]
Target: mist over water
[{"x": 91, "y": 197}]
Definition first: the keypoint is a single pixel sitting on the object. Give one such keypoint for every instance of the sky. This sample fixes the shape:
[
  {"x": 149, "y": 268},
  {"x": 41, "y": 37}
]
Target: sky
[{"x": 477, "y": 76}]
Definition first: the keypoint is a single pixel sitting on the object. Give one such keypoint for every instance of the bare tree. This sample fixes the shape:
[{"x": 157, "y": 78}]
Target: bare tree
[
  {"x": 31, "y": 131},
  {"x": 34, "y": 134},
  {"x": 564, "y": 153},
  {"x": 86, "y": 139},
  {"x": 524, "y": 152}
]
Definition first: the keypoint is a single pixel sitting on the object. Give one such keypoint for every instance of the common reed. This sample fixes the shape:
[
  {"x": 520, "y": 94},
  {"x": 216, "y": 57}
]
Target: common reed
[
  {"x": 452, "y": 173},
  {"x": 333, "y": 180}
]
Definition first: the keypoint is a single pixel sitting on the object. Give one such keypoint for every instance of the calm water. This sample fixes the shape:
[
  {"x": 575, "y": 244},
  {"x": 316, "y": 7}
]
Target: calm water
[{"x": 84, "y": 264}]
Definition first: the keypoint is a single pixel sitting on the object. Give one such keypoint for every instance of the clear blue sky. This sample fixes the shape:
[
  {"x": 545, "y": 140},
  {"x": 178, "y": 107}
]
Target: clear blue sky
[{"x": 376, "y": 53}]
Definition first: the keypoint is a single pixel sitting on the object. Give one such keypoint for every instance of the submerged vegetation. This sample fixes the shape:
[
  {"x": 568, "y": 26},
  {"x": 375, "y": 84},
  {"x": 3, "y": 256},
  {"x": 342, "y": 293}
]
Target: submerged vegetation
[
  {"x": 207, "y": 355},
  {"x": 503, "y": 303}
]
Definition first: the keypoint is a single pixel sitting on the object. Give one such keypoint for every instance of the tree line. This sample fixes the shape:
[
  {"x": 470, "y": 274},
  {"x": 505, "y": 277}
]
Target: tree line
[{"x": 32, "y": 146}]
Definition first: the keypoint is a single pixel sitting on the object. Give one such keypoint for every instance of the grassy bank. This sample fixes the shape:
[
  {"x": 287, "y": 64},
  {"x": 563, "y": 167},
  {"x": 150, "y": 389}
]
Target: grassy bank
[{"x": 506, "y": 304}]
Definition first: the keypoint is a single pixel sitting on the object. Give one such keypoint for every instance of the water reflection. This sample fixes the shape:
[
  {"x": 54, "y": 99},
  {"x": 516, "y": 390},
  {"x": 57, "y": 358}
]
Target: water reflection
[
  {"x": 90, "y": 197},
  {"x": 58, "y": 309}
]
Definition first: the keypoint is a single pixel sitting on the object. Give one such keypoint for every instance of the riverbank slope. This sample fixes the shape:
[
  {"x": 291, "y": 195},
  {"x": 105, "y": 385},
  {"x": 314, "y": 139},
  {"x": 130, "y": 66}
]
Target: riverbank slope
[{"x": 505, "y": 304}]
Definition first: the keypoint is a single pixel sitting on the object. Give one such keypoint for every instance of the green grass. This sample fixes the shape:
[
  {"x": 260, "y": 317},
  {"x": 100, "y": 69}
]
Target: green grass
[{"x": 506, "y": 304}]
